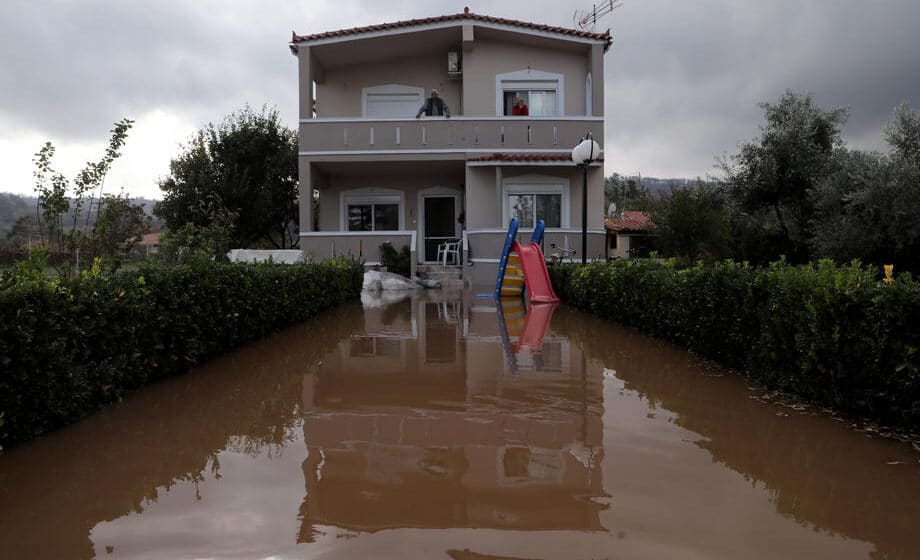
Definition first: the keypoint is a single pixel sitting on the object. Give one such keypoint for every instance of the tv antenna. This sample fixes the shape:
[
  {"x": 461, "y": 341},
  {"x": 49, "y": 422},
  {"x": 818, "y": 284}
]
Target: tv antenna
[{"x": 587, "y": 19}]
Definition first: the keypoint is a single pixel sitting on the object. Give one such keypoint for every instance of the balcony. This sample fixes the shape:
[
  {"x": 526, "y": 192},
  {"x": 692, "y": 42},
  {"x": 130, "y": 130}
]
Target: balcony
[{"x": 438, "y": 135}]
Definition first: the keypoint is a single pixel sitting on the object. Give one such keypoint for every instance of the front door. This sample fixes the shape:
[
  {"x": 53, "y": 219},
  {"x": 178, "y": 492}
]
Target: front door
[{"x": 440, "y": 223}]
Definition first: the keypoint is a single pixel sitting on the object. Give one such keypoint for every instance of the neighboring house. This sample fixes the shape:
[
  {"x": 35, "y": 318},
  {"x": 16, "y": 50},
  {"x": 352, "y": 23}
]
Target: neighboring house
[
  {"x": 629, "y": 235},
  {"x": 149, "y": 244},
  {"x": 383, "y": 175}
]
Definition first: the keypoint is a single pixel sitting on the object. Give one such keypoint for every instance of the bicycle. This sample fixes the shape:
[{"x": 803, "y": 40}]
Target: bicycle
[{"x": 560, "y": 256}]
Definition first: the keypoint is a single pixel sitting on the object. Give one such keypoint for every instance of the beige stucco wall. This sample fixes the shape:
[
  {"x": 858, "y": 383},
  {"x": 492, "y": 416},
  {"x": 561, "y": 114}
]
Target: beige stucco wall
[
  {"x": 410, "y": 185},
  {"x": 340, "y": 93},
  {"x": 484, "y": 193},
  {"x": 489, "y": 58}
]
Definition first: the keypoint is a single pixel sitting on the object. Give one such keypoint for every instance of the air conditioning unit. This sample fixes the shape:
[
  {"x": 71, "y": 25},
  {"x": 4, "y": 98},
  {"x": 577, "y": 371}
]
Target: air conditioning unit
[{"x": 454, "y": 69}]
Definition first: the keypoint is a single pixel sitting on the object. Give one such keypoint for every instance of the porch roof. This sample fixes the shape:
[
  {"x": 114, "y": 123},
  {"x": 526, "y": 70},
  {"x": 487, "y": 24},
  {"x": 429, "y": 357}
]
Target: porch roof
[
  {"x": 460, "y": 18},
  {"x": 561, "y": 158}
]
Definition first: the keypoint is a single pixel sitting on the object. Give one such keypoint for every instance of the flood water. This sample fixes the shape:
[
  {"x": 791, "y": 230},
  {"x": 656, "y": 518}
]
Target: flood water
[{"x": 439, "y": 426}]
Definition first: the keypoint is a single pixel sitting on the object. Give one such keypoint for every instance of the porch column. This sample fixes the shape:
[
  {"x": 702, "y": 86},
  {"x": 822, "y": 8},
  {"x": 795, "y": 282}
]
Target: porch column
[
  {"x": 305, "y": 186},
  {"x": 499, "y": 177},
  {"x": 305, "y": 81},
  {"x": 596, "y": 65}
]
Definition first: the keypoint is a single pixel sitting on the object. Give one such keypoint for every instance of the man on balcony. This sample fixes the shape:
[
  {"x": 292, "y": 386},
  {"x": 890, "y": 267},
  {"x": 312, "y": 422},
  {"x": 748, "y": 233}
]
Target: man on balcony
[{"x": 434, "y": 106}]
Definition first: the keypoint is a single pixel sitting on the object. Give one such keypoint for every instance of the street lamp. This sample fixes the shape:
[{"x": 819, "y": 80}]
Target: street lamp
[{"x": 583, "y": 155}]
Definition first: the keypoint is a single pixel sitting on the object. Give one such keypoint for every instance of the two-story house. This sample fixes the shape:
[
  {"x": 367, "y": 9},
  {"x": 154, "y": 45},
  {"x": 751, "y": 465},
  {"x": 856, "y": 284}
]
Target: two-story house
[{"x": 384, "y": 175}]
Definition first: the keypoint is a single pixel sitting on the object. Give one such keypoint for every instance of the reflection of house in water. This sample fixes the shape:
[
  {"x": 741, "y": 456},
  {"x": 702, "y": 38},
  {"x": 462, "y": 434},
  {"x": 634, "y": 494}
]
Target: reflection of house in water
[{"x": 418, "y": 422}]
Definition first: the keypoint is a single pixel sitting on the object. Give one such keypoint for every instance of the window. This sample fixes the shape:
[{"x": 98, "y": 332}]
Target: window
[
  {"x": 373, "y": 217},
  {"x": 540, "y": 103},
  {"x": 542, "y": 91},
  {"x": 372, "y": 209},
  {"x": 531, "y": 198},
  {"x": 531, "y": 208}
]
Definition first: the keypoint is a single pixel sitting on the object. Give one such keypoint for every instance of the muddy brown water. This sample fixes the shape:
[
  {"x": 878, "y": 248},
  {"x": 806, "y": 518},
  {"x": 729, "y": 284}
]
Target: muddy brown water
[{"x": 441, "y": 427}]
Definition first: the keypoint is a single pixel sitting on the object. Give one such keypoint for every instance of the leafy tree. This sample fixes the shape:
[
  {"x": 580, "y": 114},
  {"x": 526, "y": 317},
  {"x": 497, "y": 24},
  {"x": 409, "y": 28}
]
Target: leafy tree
[
  {"x": 770, "y": 180},
  {"x": 193, "y": 242},
  {"x": 65, "y": 207},
  {"x": 627, "y": 194},
  {"x": 692, "y": 222},
  {"x": 903, "y": 134},
  {"x": 118, "y": 227},
  {"x": 867, "y": 206},
  {"x": 249, "y": 162},
  {"x": 24, "y": 232}
]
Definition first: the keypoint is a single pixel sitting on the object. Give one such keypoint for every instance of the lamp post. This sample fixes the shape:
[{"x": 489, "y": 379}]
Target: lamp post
[{"x": 583, "y": 155}]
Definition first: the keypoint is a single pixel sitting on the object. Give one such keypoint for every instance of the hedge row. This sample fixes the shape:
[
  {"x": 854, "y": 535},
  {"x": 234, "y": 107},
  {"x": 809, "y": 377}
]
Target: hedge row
[
  {"x": 834, "y": 335},
  {"x": 68, "y": 348}
]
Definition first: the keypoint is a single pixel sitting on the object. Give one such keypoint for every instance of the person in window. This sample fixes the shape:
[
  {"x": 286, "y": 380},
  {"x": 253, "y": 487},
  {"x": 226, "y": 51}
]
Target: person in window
[
  {"x": 520, "y": 108},
  {"x": 434, "y": 106}
]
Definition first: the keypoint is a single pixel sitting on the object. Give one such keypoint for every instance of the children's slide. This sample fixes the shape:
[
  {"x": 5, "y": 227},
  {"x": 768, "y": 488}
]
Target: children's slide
[
  {"x": 536, "y": 277},
  {"x": 514, "y": 271}
]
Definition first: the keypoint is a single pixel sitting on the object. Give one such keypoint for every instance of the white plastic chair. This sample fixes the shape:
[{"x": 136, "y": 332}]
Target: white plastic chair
[{"x": 449, "y": 250}]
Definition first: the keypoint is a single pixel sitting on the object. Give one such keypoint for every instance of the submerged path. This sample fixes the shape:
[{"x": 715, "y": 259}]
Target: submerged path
[{"x": 438, "y": 427}]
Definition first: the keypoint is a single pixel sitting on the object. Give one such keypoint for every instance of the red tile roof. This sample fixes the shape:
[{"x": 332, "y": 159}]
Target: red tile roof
[
  {"x": 466, "y": 15},
  {"x": 631, "y": 221},
  {"x": 150, "y": 238},
  {"x": 497, "y": 156}
]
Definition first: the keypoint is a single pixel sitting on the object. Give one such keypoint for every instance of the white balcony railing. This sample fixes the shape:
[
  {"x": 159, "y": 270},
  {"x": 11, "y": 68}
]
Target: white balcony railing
[{"x": 332, "y": 136}]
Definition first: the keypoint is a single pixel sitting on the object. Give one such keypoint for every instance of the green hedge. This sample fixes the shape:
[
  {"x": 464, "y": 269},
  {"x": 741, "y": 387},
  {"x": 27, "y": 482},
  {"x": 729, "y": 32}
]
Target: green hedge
[
  {"x": 68, "y": 348},
  {"x": 835, "y": 335}
]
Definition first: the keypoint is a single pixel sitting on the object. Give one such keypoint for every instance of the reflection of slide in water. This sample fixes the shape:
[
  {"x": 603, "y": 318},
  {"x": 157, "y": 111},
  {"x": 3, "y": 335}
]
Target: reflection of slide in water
[{"x": 529, "y": 327}]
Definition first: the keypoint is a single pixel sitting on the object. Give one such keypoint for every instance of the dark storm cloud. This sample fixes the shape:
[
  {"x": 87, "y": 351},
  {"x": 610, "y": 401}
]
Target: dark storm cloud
[
  {"x": 71, "y": 66},
  {"x": 683, "y": 78}
]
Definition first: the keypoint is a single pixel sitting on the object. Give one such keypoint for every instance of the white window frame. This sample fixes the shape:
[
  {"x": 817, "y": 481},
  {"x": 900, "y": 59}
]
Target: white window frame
[
  {"x": 536, "y": 184},
  {"x": 391, "y": 89},
  {"x": 371, "y": 195},
  {"x": 529, "y": 79}
]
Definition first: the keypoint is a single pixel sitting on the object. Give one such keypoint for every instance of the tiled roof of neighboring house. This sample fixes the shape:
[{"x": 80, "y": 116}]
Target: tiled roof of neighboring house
[
  {"x": 152, "y": 239},
  {"x": 498, "y": 156},
  {"x": 630, "y": 221},
  {"x": 466, "y": 15}
]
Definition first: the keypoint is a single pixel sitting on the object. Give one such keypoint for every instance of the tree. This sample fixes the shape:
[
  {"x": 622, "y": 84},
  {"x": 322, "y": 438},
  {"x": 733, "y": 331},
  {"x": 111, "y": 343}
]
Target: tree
[
  {"x": 191, "y": 241},
  {"x": 691, "y": 222},
  {"x": 770, "y": 180},
  {"x": 867, "y": 206},
  {"x": 62, "y": 218},
  {"x": 118, "y": 227},
  {"x": 903, "y": 134},
  {"x": 24, "y": 232},
  {"x": 249, "y": 162},
  {"x": 627, "y": 194}
]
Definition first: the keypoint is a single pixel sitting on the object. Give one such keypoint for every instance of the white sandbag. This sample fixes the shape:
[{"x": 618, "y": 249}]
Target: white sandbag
[
  {"x": 277, "y": 256},
  {"x": 374, "y": 280}
]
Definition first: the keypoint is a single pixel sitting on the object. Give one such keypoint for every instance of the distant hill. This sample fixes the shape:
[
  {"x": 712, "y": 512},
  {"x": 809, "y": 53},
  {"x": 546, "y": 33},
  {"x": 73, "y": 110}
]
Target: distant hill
[
  {"x": 656, "y": 185},
  {"x": 14, "y": 206}
]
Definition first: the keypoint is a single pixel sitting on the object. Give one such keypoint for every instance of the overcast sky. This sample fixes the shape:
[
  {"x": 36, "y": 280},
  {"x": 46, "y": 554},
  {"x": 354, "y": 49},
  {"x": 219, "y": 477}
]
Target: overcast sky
[{"x": 683, "y": 78}]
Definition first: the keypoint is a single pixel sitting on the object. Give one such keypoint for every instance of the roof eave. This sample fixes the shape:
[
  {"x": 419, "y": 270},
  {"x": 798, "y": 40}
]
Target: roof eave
[{"x": 357, "y": 33}]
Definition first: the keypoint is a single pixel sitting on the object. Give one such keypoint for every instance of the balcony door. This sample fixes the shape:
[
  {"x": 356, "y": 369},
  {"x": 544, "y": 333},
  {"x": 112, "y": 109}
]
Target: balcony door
[
  {"x": 439, "y": 222},
  {"x": 391, "y": 101}
]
